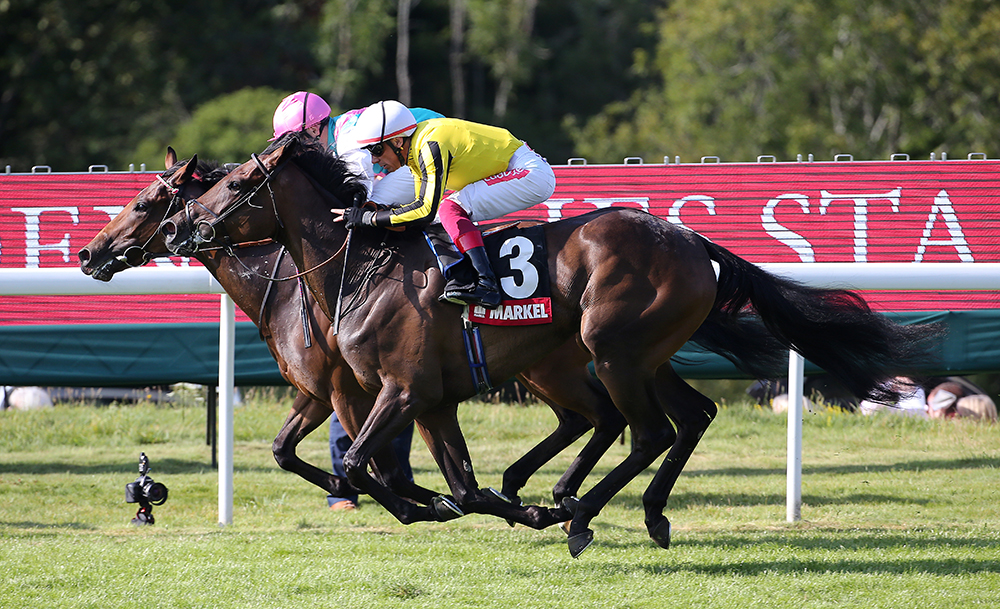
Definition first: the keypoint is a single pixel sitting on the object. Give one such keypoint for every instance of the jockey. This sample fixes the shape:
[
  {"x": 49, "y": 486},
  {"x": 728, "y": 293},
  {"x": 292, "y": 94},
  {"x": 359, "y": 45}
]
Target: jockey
[
  {"x": 304, "y": 111},
  {"x": 490, "y": 172}
]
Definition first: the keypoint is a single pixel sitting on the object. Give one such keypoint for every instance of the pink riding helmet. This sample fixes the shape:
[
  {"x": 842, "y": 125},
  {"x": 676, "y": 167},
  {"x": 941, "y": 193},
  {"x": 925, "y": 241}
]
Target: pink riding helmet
[{"x": 298, "y": 112}]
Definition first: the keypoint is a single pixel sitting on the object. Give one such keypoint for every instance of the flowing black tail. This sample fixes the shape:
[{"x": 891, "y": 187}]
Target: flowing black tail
[{"x": 757, "y": 316}]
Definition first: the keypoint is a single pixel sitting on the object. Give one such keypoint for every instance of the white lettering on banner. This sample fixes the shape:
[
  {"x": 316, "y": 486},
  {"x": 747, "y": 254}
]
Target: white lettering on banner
[
  {"x": 674, "y": 213},
  {"x": 32, "y": 247},
  {"x": 860, "y": 215},
  {"x": 555, "y": 206},
  {"x": 941, "y": 210},
  {"x": 942, "y": 205},
  {"x": 520, "y": 262},
  {"x": 793, "y": 240},
  {"x": 110, "y": 210},
  {"x": 606, "y": 202}
]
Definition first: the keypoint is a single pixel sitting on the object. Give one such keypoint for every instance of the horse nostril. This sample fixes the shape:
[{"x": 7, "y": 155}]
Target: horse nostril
[
  {"x": 168, "y": 229},
  {"x": 84, "y": 256}
]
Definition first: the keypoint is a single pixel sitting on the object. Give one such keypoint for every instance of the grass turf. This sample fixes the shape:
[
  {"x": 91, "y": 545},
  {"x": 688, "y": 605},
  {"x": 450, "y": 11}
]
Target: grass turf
[{"x": 896, "y": 513}]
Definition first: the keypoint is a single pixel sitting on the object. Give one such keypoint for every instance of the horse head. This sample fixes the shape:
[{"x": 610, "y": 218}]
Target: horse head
[
  {"x": 237, "y": 208},
  {"x": 250, "y": 203},
  {"x": 132, "y": 237}
]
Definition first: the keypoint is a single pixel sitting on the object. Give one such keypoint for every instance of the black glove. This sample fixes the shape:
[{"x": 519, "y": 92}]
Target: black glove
[{"x": 358, "y": 216}]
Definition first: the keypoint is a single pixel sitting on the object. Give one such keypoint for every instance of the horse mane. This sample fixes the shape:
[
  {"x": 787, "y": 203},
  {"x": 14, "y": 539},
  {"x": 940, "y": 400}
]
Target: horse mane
[
  {"x": 208, "y": 172},
  {"x": 322, "y": 165}
]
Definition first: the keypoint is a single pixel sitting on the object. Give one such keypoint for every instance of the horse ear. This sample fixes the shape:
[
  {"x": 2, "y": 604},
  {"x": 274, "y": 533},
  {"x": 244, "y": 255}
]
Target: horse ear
[
  {"x": 286, "y": 151},
  {"x": 171, "y": 159},
  {"x": 187, "y": 171}
]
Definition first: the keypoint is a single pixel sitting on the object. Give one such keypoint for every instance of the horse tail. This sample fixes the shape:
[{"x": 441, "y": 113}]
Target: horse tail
[{"x": 834, "y": 329}]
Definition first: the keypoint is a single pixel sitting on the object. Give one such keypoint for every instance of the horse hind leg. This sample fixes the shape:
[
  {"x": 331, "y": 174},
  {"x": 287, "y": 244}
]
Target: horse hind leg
[
  {"x": 693, "y": 413},
  {"x": 634, "y": 392}
]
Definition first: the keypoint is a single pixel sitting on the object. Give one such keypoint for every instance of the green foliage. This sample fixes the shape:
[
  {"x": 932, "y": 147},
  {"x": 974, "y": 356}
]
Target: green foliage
[
  {"x": 97, "y": 82},
  {"x": 83, "y": 81},
  {"x": 351, "y": 45},
  {"x": 87, "y": 82},
  {"x": 227, "y": 129},
  {"x": 785, "y": 77}
]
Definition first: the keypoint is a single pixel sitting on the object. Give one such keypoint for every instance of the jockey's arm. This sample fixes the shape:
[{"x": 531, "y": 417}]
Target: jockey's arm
[{"x": 434, "y": 165}]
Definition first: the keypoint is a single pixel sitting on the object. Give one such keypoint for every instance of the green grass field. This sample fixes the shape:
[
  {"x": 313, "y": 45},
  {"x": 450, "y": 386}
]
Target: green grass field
[{"x": 897, "y": 513}]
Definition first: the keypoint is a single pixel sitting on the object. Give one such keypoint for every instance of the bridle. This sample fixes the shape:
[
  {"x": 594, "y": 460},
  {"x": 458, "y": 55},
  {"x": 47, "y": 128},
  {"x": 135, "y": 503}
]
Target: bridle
[
  {"x": 207, "y": 231},
  {"x": 128, "y": 257}
]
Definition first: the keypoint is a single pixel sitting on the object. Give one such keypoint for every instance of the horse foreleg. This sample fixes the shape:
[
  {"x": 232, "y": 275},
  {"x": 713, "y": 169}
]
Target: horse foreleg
[
  {"x": 390, "y": 472},
  {"x": 388, "y": 418},
  {"x": 306, "y": 415},
  {"x": 693, "y": 413},
  {"x": 451, "y": 453}
]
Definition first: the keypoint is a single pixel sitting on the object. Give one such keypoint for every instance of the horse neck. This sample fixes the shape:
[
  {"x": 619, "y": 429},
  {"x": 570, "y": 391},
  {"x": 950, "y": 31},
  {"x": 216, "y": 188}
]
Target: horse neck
[{"x": 312, "y": 237}]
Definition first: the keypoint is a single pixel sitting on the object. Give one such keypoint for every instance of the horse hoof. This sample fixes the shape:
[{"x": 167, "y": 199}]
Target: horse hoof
[
  {"x": 569, "y": 504},
  {"x": 661, "y": 534},
  {"x": 495, "y": 493},
  {"x": 565, "y": 527},
  {"x": 580, "y": 542},
  {"x": 445, "y": 509}
]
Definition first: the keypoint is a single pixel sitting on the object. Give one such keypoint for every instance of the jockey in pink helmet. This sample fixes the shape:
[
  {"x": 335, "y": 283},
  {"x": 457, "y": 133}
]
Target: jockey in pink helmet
[{"x": 300, "y": 111}]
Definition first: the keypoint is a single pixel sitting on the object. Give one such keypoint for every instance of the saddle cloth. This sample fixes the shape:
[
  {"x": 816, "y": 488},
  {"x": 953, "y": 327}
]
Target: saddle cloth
[{"x": 520, "y": 261}]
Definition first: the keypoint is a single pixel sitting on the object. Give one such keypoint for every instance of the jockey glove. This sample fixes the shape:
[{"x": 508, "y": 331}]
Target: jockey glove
[{"x": 358, "y": 216}]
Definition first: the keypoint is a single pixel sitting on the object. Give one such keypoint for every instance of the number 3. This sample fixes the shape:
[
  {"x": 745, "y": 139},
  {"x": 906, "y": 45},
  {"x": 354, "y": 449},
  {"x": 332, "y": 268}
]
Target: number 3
[{"x": 521, "y": 249}]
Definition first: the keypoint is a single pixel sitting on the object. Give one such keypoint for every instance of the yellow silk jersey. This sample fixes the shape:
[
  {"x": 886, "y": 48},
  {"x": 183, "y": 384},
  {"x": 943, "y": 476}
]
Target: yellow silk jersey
[{"x": 449, "y": 153}]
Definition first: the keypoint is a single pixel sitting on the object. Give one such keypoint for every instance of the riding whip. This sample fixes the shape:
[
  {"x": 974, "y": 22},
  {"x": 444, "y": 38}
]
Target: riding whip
[{"x": 343, "y": 273}]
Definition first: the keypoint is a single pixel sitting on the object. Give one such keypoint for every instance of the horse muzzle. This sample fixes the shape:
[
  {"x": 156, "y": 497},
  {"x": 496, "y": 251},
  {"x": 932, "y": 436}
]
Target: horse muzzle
[
  {"x": 186, "y": 242},
  {"x": 100, "y": 272}
]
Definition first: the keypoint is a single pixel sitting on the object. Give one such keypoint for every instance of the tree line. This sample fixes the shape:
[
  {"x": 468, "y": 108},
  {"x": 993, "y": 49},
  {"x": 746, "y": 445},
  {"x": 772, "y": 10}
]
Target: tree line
[{"x": 86, "y": 82}]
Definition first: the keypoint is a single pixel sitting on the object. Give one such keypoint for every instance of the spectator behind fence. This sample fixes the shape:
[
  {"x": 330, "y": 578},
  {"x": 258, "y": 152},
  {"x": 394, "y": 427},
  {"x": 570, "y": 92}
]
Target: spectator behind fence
[
  {"x": 951, "y": 400},
  {"x": 979, "y": 407}
]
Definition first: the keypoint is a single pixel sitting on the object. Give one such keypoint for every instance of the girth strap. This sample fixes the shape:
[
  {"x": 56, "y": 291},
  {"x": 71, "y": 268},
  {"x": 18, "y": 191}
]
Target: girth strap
[
  {"x": 476, "y": 354},
  {"x": 304, "y": 313},
  {"x": 304, "y": 305},
  {"x": 267, "y": 292}
]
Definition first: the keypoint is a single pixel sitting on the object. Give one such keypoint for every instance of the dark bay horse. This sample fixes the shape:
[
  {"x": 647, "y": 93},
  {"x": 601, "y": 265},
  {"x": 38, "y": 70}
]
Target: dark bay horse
[
  {"x": 631, "y": 288},
  {"x": 323, "y": 379}
]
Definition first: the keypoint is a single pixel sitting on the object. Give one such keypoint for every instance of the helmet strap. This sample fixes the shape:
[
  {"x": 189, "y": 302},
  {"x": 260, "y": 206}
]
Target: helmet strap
[{"x": 398, "y": 151}]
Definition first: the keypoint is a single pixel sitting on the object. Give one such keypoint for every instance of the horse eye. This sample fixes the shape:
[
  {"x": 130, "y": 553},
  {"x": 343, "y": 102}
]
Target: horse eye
[
  {"x": 140, "y": 206},
  {"x": 235, "y": 186}
]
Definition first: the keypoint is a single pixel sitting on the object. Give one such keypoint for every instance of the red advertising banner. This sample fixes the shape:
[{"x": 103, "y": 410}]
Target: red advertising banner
[{"x": 891, "y": 211}]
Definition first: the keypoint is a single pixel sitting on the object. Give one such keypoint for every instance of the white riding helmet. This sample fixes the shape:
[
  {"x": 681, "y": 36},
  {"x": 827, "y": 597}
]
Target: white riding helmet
[
  {"x": 382, "y": 121},
  {"x": 298, "y": 112}
]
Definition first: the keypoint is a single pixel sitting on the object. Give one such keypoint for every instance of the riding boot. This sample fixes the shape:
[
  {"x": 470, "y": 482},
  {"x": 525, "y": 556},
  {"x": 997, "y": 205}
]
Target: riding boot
[{"x": 485, "y": 291}]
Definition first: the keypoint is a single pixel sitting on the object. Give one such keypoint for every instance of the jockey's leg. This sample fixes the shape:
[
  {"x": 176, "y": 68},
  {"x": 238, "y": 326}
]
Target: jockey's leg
[{"x": 469, "y": 241}]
